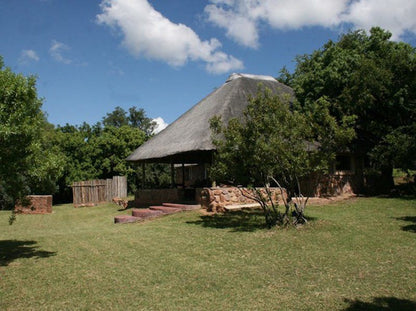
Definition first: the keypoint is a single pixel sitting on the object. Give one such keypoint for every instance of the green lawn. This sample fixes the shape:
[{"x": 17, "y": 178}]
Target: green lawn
[{"x": 354, "y": 255}]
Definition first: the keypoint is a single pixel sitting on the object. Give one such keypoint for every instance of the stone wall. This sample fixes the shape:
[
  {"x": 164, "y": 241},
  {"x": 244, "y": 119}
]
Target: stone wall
[
  {"x": 333, "y": 185},
  {"x": 36, "y": 204},
  {"x": 215, "y": 199}
]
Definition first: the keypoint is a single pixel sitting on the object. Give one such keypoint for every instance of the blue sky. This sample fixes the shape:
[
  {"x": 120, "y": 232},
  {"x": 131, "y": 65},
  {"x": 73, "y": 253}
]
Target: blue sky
[{"x": 165, "y": 56}]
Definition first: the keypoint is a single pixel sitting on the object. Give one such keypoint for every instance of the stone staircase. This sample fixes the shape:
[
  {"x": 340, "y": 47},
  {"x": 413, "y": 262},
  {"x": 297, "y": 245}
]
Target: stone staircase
[{"x": 139, "y": 214}]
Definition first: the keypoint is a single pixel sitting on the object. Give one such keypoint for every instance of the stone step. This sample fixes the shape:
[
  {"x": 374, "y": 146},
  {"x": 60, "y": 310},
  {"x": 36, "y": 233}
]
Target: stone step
[
  {"x": 125, "y": 219},
  {"x": 184, "y": 207},
  {"x": 154, "y": 211},
  {"x": 165, "y": 209},
  {"x": 145, "y": 213}
]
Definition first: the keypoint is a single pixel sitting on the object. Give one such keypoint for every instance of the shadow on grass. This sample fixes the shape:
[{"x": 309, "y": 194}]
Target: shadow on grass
[
  {"x": 381, "y": 303},
  {"x": 237, "y": 221},
  {"x": 401, "y": 197},
  {"x": 13, "y": 249},
  {"x": 405, "y": 190},
  {"x": 411, "y": 227}
]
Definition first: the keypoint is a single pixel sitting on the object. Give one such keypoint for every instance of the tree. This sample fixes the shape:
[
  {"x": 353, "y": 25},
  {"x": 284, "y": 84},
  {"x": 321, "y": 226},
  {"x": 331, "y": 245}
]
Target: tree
[
  {"x": 76, "y": 144},
  {"x": 112, "y": 148},
  {"x": 116, "y": 118},
  {"x": 372, "y": 78},
  {"x": 26, "y": 165},
  {"x": 398, "y": 149},
  {"x": 276, "y": 143},
  {"x": 136, "y": 118},
  {"x": 47, "y": 162}
]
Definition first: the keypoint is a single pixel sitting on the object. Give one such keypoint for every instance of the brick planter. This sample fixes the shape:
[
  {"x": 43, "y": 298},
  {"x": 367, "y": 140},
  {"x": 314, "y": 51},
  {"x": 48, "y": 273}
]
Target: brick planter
[{"x": 38, "y": 204}]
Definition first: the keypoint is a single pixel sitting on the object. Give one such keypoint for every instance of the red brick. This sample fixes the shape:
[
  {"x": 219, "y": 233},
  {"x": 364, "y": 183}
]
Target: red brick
[
  {"x": 38, "y": 204},
  {"x": 165, "y": 209},
  {"x": 145, "y": 213},
  {"x": 184, "y": 207}
]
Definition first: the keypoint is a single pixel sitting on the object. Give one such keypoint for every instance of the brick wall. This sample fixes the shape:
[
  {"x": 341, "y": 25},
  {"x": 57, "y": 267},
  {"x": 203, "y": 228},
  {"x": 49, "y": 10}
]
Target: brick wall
[{"x": 37, "y": 204}]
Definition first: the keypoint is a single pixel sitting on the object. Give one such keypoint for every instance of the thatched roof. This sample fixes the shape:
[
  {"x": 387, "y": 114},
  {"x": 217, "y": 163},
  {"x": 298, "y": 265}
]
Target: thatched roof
[{"x": 188, "y": 139}]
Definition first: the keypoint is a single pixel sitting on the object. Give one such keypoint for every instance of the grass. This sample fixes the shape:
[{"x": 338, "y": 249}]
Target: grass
[{"x": 354, "y": 255}]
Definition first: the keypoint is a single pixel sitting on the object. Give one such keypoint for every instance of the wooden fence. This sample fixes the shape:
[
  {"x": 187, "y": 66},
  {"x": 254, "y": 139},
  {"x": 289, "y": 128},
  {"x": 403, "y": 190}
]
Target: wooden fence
[{"x": 92, "y": 192}]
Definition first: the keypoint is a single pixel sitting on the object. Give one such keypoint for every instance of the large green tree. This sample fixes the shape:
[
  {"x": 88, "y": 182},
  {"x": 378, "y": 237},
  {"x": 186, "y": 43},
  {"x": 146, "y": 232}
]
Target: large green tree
[
  {"x": 373, "y": 78},
  {"x": 27, "y": 164},
  {"x": 47, "y": 162},
  {"x": 276, "y": 143}
]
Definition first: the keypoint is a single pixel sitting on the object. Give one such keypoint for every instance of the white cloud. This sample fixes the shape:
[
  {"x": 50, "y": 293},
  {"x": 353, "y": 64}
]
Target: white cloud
[
  {"x": 160, "y": 125},
  {"x": 27, "y": 56},
  {"x": 238, "y": 26},
  {"x": 397, "y": 16},
  {"x": 146, "y": 32},
  {"x": 242, "y": 19},
  {"x": 57, "y": 49}
]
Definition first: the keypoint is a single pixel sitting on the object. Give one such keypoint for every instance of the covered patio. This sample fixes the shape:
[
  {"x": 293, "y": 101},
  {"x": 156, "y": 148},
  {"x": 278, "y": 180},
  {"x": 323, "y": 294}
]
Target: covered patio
[{"x": 186, "y": 144}]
